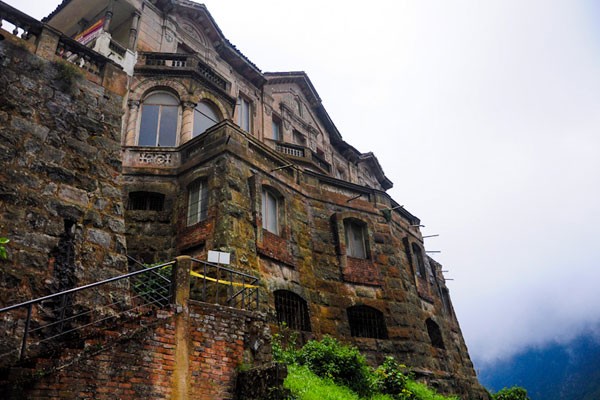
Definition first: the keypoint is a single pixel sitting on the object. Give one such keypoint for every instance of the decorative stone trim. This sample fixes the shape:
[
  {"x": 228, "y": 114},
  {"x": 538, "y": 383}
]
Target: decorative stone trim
[{"x": 155, "y": 158}]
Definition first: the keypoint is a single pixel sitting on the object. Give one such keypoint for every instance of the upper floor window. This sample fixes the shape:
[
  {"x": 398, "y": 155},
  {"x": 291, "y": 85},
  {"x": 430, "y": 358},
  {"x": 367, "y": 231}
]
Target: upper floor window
[
  {"x": 271, "y": 204},
  {"x": 299, "y": 107},
  {"x": 146, "y": 201},
  {"x": 205, "y": 116},
  {"x": 244, "y": 114},
  {"x": 435, "y": 334},
  {"x": 366, "y": 322},
  {"x": 418, "y": 254},
  {"x": 356, "y": 245},
  {"x": 292, "y": 310},
  {"x": 197, "y": 201},
  {"x": 159, "y": 120},
  {"x": 277, "y": 133}
]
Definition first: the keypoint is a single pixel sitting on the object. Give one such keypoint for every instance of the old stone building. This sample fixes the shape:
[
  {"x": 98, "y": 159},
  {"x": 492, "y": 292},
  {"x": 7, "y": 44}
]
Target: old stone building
[{"x": 178, "y": 144}]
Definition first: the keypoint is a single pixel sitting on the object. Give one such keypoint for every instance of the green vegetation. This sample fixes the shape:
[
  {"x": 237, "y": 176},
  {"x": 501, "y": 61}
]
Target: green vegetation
[
  {"x": 3, "y": 253},
  {"x": 513, "y": 393},
  {"x": 67, "y": 74},
  {"x": 329, "y": 370}
]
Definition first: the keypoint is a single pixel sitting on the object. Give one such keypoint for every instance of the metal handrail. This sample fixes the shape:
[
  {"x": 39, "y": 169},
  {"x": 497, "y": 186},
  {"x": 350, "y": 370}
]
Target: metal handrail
[
  {"x": 246, "y": 292},
  {"x": 80, "y": 288},
  {"x": 151, "y": 297}
]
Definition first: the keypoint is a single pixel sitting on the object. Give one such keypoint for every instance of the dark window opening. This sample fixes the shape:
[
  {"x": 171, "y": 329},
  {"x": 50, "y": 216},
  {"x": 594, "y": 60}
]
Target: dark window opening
[
  {"x": 292, "y": 310},
  {"x": 149, "y": 201},
  {"x": 419, "y": 260},
  {"x": 366, "y": 322},
  {"x": 435, "y": 334}
]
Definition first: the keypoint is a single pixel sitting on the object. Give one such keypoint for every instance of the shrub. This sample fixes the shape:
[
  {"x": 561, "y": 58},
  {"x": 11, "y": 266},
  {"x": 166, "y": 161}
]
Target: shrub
[
  {"x": 513, "y": 393},
  {"x": 284, "y": 345},
  {"x": 391, "y": 378},
  {"x": 330, "y": 359}
]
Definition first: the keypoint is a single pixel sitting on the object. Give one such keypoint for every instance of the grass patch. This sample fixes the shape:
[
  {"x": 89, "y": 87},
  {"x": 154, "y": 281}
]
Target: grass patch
[
  {"x": 422, "y": 392},
  {"x": 305, "y": 385}
]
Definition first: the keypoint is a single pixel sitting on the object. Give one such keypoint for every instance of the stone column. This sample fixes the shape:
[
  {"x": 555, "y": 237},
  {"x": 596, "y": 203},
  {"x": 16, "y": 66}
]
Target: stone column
[
  {"x": 130, "y": 135},
  {"x": 108, "y": 16},
  {"x": 133, "y": 30},
  {"x": 47, "y": 43},
  {"x": 187, "y": 123}
]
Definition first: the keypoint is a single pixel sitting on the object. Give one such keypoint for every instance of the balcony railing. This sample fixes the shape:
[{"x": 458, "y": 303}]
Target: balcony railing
[
  {"x": 304, "y": 153},
  {"x": 291, "y": 149},
  {"x": 181, "y": 62}
]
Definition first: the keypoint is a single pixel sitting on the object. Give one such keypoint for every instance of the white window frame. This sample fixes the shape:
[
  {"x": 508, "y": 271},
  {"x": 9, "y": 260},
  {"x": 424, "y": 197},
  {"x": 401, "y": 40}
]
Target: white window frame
[
  {"x": 197, "y": 209},
  {"x": 161, "y": 108},
  {"x": 270, "y": 209}
]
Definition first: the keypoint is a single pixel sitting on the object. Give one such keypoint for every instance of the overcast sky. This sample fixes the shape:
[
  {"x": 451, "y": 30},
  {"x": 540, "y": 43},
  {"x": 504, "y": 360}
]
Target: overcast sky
[{"x": 486, "y": 116}]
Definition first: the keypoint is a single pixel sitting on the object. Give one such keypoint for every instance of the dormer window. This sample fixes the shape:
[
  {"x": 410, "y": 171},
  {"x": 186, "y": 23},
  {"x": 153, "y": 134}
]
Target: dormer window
[{"x": 158, "y": 125}]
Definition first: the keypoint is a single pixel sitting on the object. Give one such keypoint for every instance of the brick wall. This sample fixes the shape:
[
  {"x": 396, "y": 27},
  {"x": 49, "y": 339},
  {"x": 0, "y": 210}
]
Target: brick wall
[{"x": 139, "y": 359}]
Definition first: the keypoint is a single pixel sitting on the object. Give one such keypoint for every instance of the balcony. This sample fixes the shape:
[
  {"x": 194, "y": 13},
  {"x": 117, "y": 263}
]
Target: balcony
[
  {"x": 304, "y": 155},
  {"x": 175, "y": 63}
]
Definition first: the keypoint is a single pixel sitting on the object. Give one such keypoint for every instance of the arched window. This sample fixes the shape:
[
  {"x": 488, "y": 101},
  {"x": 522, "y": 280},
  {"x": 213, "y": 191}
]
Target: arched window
[
  {"x": 271, "y": 210},
  {"x": 435, "y": 334},
  {"x": 366, "y": 322},
  {"x": 197, "y": 201},
  {"x": 356, "y": 243},
  {"x": 205, "y": 116},
  {"x": 292, "y": 310},
  {"x": 418, "y": 254},
  {"x": 146, "y": 201},
  {"x": 158, "y": 126}
]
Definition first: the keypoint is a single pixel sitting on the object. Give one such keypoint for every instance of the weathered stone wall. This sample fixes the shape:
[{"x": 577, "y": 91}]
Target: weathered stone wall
[
  {"x": 308, "y": 257},
  {"x": 144, "y": 360},
  {"x": 60, "y": 192}
]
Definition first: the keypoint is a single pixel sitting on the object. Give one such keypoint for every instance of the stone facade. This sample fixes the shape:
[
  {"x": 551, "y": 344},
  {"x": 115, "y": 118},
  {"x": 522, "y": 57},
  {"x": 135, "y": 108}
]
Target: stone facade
[
  {"x": 192, "y": 148},
  {"x": 60, "y": 187}
]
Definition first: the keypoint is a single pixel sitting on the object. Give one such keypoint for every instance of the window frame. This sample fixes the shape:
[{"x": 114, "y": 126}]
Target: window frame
[
  {"x": 266, "y": 195},
  {"x": 197, "y": 194},
  {"x": 366, "y": 322},
  {"x": 421, "y": 269},
  {"x": 143, "y": 131},
  {"x": 355, "y": 226},
  {"x": 276, "y": 129},
  {"x": 197, "y": 112},
  {"x": 149, "y": 200},
  {"x": 244, "y": 114},
  {"x": 292, "y": 309}
]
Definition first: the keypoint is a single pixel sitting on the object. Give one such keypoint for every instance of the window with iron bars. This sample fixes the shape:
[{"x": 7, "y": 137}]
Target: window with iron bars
[
  {"x": 292, "y": 310},
  {"x": 366, "y": 322},
  {"x": 149, "y": 201}
]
